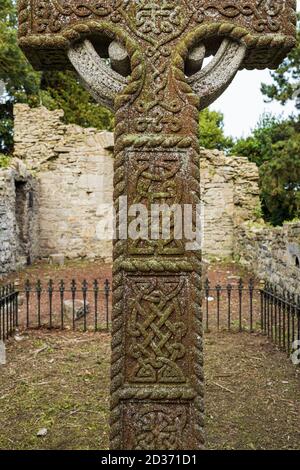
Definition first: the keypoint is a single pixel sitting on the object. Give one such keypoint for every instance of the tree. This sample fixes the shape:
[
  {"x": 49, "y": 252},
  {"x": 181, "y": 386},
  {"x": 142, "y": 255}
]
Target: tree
[
  {"x": 275, "y": 147},
  {"x": 211, "y": 126},
  {"x": 51, "y": 89},
  {"x": 280, "y": 182},
  {"x": 19, "y": 81},
  {"x": 286, "y": 78},
  {"x": 62, "y": 90}
]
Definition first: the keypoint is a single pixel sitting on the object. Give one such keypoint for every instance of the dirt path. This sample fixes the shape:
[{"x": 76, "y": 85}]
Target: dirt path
[
  {"x": 60, "y": 381},
  {"x": 252, "y": 394}
]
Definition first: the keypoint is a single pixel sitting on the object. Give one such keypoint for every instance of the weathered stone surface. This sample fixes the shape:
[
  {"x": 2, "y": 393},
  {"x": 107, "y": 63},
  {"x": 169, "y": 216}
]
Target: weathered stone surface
[
  {"x": 83, "y": 168},
  {"x": 57, "y": 258},
  {"x": 157, "y": 360},
  {"x": 229, "y": 197},
  {"x": 48, "y": 29},
  {"x": 80, "y": 163},
  {"x": 18, "y": 218},
  {"x": 272, "y": 253},
  {"x": 79, "y": 309},
  {"x": 119, "y": 58}
]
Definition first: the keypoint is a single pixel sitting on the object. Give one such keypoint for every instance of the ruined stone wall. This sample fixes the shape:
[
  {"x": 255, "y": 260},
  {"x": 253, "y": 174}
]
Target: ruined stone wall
[
  {"x": 19, "y": 238},
  {"x": 74, "y": 168},
  {"x": 272, "y": 253},
  {"x": 8, "y": 239},
  {"x": 72, "y": 191},
  {"x": 230, "y": 197}
]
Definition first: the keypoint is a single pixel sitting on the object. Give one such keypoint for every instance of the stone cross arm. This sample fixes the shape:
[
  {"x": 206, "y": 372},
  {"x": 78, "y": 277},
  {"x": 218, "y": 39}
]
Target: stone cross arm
[
  {"x": 48, "y": 31},
  {"x": 48, "y": 28}
]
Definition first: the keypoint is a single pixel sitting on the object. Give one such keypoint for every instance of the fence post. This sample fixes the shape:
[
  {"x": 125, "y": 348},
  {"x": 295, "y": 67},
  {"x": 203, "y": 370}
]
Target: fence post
[
  {"x": 27, "y": 295},
  {"x": 107, "y": 291},
  {"x": 50, "y": 292},
  {"x": 62, "y": 295},
  {"x": 262, "y": 311},
  {"x": 284, "y": 321},
  {"x": 293, "y": 317},
  {"x": 84, "y": 292},
  {"x": 240, "y": 290},
  {"x": 219, "y": 290},
  {"x": 38, "y": 294},
  {"x": 229, "y": 292},
  {"x": 251, "y": 292},
  {"x": 17, "y": 310},
  {"x": 8, "y": 311},
  {"x": 276, "y": 313},
  {"x": 73, "y": 292},
  {"x": 207, "y": 294},
  {"x": 96, "y": 293}
]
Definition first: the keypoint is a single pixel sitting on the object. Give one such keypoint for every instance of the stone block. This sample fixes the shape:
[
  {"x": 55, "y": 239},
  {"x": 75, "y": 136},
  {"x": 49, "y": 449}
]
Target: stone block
[
  {"x": 57, "y": 259},
  {"x": 79, "y": 309}
]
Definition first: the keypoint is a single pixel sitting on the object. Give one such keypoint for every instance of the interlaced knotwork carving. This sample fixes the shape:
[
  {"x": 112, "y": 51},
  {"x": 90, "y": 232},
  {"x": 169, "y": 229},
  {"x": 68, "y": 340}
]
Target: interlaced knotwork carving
[
  {"x": 156, "y": 178},
  {"x": 59, "y": 20},
  {"x": 153, "y": 19},
  {"x": 157, "y": 325},
  {"x": 158, "y": 428}
]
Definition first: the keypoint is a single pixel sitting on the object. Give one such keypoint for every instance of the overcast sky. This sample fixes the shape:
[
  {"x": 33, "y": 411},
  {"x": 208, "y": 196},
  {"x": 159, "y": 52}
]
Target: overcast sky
[{"x": 243, "y": 103}]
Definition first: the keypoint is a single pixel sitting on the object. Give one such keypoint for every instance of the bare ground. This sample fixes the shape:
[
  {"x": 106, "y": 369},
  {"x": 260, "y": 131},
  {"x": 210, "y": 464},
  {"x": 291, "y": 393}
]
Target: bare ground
[{"x": 60, "y": 381}]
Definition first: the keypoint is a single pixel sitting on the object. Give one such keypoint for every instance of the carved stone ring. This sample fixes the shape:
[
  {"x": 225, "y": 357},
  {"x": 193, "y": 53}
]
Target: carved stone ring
[
  {"x": 105, "y": 82},
  {"x": 210, "y": 82},
  {"x": 102, "y": 81}
]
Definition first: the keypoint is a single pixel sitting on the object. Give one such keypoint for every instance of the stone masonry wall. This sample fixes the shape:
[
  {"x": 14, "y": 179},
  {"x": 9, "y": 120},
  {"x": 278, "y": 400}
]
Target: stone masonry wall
[
  {"x": 75, "y": 171},
  {"x": 63, "y": 206},
  {"x": 230, "y": 197},
  {"x": 272, "y": 253},
  {"x": 74, "y": 168},
  {"x": 8, "y": 238},
  {"x": 18, "y": 218}
]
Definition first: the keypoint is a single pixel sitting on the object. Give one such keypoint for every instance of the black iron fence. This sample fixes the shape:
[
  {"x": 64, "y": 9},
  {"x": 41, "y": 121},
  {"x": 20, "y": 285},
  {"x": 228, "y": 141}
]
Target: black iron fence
[
  {"x": 235, "y": 306},
  {"x": 86, "y": 306},
  {"x": 77, "y": 306},
  {"x": 245, "y": 307},
  {"x": 280, "y": 317},
  {"x": 8, "y": 311}
]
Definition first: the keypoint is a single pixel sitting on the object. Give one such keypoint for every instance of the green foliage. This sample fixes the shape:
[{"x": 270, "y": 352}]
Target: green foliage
[
  {"x": 275, "y": 147},
  {"x": 280, "y": 181},
  {"x": 4, "y": 160},
  {"x": 21, "y": 81},
  {"x": 63, "y": 90},
  {"x": 52, "y": 89},
  {"x": 286, "y": 78},
  {"x": 212, "y": 136}
]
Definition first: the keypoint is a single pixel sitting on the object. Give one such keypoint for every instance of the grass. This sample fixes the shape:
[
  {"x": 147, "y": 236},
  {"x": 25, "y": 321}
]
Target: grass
[{"x": 60, "y": 381}]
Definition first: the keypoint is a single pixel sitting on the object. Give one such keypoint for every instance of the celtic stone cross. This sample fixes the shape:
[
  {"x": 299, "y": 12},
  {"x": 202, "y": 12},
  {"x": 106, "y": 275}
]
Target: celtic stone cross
[{"x": 145, "y": 60}]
